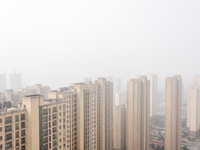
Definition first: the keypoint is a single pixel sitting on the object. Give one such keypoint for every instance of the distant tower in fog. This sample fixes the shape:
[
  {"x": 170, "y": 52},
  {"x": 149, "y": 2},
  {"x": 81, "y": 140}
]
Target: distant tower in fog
[
  {"x": 153, "y": 78},
  {"x": 197, "y": 80},
  {"x": 87, "y": 79},
  {"x": 2, "y": 82},
  {"x": 15, "y": 81}
]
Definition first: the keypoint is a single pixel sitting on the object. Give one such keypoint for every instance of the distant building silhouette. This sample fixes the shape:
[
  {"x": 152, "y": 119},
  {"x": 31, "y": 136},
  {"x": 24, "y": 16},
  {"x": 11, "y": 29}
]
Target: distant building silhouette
[
  {"x": 15, "y": 81},
  {"x": 2, "y": 82}
]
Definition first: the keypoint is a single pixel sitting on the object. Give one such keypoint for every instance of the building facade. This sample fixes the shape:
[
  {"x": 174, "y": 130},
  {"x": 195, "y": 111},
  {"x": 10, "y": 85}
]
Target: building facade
[
  {"x": 173, "y": 102},
  {"x": 138, "y": 114},
  {"x": 119, "y": 127},
  {"x": 153, "y": 78},
  {"x": 120, "y": 97},
  {"x": 15, "y": 81}
]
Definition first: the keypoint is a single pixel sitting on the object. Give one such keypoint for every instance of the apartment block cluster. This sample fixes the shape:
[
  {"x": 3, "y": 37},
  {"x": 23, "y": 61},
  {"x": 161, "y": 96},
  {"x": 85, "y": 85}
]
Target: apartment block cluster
[
  {"x": 132, "y": 119},
  {"x": 15, "y": 96},
  {"x": 82, "y": 116},
  {"x": 75, "y": 117}
]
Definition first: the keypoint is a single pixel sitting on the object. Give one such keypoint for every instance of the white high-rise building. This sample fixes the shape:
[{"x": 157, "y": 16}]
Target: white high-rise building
[
  {"x": 15, "y": 81},
  {"x": 153, "y": 78}
]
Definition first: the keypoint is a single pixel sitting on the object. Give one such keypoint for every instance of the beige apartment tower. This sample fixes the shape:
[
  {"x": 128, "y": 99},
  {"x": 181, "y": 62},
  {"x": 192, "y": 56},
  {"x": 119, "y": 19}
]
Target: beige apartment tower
[
  {"x": 153, "y": 78},
  {"x": 138, "y": 114},
  {"x": 173, "y": 101},
  {"x": 119, "y": 127},
  {"x": 193, "y": 110}
]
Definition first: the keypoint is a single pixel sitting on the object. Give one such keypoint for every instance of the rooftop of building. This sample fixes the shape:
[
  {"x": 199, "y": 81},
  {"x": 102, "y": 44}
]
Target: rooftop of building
[
  {"x": 11, "y": 110},
  {"x": 33, "y": 95}
]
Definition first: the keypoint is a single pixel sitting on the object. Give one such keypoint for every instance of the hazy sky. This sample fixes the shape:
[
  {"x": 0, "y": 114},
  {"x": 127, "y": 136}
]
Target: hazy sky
[{"x": 57, "y": 42}]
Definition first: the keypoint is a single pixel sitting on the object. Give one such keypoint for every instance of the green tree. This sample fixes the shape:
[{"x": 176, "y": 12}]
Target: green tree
[
  {"x": 152, "y": 146},
  {"x": 157, "y": 147}
]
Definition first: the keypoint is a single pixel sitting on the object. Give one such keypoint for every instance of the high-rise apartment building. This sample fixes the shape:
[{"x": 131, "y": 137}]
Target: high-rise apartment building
[
  {"x": 119, "y": 127},
  {"x": 120, "y": 97},
  {"x": 118, "y": 84},
  {"x": 173, "y": 102},
  {"x": 193, "y": 110},
  {"x": 2, "y": 82},
  {"x": 153, "y": 78},
  {"x": 94, "y": 113},
  {"x": 138, "y": 114},
  {"x": 197, "y": 80},
  {"x": 76, "y": 117},
  {"x": 15, "y": 81},
  {"x": 37, "y": 124}
]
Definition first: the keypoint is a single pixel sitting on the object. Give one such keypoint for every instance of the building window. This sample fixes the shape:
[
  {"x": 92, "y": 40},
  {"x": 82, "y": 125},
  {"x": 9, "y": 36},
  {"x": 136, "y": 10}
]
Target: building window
[
  {"x": 0, "y": 138},
  {"x": 55, "y": 148},
  {"x": 49, "y": 138},
  {"x": 8, "y": 120},
  {"x": 49, "y": 145},
  {"x": 54, "y": 109},
  {"x": 45, "y": 133},
  {"x": 17, "y": 118},
  {"x": 63, "y": 107},
  {"x": 0, "y": 120},
  {"x": 22, "y": 132},
  {"x": 54, "y": 122},
  {"x": 22, "y": 117},
  {"x": 0, "y": 129},
  {"x": 46, "y": 147},
  {"x": 59, "y": 107},
  {"x": 25, "y": 106},
  {"x": 49, "y": 131},
  {"x": 22, "y": 125},
  {"x": 8, "y": 128},
  {"x": 17, "y": 126},
  {"x": 45, "y": 126},
  {"x": 45, "y": 112},
  {"x": 8, "y": 137},
  {"x": 54, "y": 129},
  {"x": 45, "y": 118},
  {"x": 55, "y": 143},
  {"x": 45, "y": 140},
  {"x": 17, "y": 143},
  {"x": 54, "y": 136},
  {"x": 8, "y": 145},
  {"x": 23, "y": 148},
  {"x": 23, "y": 140},
  {"x": 49, "y": 110},
  {"x": 54, "y": 116},
  {"x": 17, "y": 134}
]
